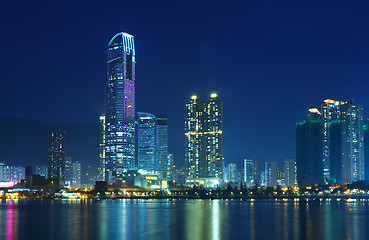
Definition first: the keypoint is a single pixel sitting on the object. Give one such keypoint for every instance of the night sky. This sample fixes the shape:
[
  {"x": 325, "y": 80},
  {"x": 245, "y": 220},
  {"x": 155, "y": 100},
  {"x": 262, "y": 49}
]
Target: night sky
[{"x": 267, "y": 60}]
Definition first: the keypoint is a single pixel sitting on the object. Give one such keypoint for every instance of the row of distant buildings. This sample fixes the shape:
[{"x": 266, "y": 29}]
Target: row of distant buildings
[{"x": 269, "y": 174}]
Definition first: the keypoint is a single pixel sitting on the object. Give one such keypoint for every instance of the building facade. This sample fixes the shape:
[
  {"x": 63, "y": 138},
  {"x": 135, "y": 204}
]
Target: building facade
[
  {"x": 42, "y": 170},
  {"x": 249, "y": 171},
  {"x": 162, "y": 146},
  {"x": 147, "y": 142},
  {"x": 352, "y": 142},
  {"x": 101, "y": 165},
  {"x": 290, "y": 173},
  {"x": 271, "y": 174},
  {"x": 309, "y": 150},
  {"x": 120, "y": 107},
  {"x": 76, "y": 175},
  {"x": 170, "y": 167},
  {"x": 330, "y": 111},
  {"x": 232, "y": 173},
  {"x": 57, "y": 156},
  {"x": 204, "y": 138}
]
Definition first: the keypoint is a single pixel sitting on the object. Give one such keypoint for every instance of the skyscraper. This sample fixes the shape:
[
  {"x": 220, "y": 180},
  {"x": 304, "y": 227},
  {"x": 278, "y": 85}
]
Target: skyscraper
[
  {"x": 76, "y": 175},
  {"x": 352, "y": 142},
  {"x": 309, "y": 149},
  {"x": 170, "y": 167},
  {"x": 343, "y": 141},
  {"x": 271, "y": 174},
  {"x": 204, "y": 138},
  {"x": 330, "y": 111},
  {"x": 290, "y": 173},
  {"x": 366, "y": 149},
  {"x": 147, "y": 145},
  {"x": 232, "y": 173},
  {"x": 101, "y": 165},
  {"x": 257, "y": 173},
  {"x": 120, "y": 107},
  {"x": 3, "y": 175},
  {"x": 249, "y": 171},
  {"x": 57, "y": 156},
  {"x": 162, "y": 138},
  {"x": 68, "y": 171}
]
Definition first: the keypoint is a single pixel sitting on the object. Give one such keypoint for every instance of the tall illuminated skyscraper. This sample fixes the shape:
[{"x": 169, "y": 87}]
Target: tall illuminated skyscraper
[
  {"x": 120, "y": 107},
  {"x": 249, "y": 171},
  {"x": 152, "y": 143},
  {"x": 101, "y": 165},
  {"x": 330, "y": 111},
  {"x": 147, "y": 146},
  {"x": 57, "y": 156},
  {"x": 352, "y": 142},
  {"x": 290, "y": 172},
  {"x": 204, "y": 138},
  {"x": 271, "y": 174},
  {"x": 343, "y": 141},
  {"x": 162, "y": 137}
]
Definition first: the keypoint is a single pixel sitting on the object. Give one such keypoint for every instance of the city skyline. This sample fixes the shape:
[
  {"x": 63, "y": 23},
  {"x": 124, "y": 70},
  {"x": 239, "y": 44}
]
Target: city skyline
[
  {"x": 264, "y": 70},
  {"x": 184, "y": 120}
]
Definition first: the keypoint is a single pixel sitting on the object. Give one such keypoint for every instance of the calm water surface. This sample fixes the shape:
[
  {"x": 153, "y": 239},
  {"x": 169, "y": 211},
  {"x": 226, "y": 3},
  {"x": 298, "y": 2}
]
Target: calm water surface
[{"x": 183, "y": 219}]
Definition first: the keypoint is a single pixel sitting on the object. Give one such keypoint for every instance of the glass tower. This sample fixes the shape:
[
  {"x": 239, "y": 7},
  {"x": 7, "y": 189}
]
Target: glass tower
[
  {"x": 249, "y": 170},
  {"x": 119, "y": 144},
  {"x": 147, "y": 150},
  {"x": 162, "y": 137},
  {"x": 152, "y": 143}
]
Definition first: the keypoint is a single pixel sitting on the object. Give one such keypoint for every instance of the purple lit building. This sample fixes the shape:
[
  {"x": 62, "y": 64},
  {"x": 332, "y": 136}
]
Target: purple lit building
[{"x": 119, "y": 147}]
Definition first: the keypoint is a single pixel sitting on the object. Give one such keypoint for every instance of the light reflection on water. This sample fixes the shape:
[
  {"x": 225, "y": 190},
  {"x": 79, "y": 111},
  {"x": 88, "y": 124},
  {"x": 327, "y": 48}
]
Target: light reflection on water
[{"x": 183, "y": 219}]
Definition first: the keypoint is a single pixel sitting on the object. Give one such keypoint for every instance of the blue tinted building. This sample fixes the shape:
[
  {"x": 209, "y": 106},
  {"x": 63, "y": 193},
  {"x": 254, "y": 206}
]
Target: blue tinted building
[{"x": 119, "y": 146}]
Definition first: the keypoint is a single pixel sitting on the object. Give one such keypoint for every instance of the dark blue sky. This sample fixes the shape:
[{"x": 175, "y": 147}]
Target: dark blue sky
[{"x": 267, "y": 60}]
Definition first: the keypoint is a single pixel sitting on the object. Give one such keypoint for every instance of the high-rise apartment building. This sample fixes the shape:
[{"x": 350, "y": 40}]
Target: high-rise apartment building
[
  {"x": 16, "y": 173},
  {"x": 257, "y": 173},
  {"x": 343, "y": 156},
  {"x": 76, "y": 175},
  {"x": 3, "y": 175},
  {"x": 249, "y": 172},
  {"x": 162, "y": 146},
  {"x": 352, "y": 142},
  {"x": 271, "y": 174},
  {"x": 232, "y": 173},
  {"x": 120, "y": 107},
  {"x": 101, "y": 165},
  {"x": 366, "y": 149},
  {"x": 290, "y": 173},
  {"x": 330, "y": 111},
  {"x": 310, "y": 149},
  {"x": 204, "y": 138},
  {"x": 57, "y": 156},
  {"x": 41, "y": 170},
  {"x": 170, "y": 167}
]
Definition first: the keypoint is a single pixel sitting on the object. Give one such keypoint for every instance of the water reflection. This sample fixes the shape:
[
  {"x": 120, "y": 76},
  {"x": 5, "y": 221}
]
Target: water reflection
[{"x": 183, "y": 219}]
